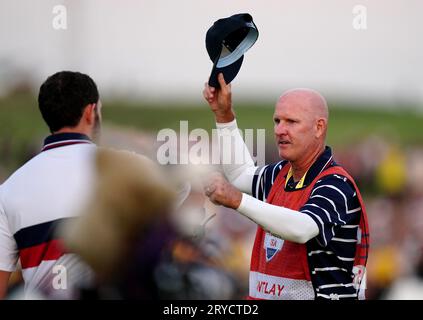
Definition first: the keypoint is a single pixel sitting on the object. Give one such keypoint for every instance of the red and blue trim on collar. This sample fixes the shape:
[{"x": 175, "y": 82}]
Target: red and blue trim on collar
[{"x": 64, "y": 139}]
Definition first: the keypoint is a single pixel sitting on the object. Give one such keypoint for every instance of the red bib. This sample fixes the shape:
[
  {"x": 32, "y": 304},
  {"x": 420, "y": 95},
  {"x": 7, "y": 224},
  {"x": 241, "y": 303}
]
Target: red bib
[{"x": 279, "y": 268}]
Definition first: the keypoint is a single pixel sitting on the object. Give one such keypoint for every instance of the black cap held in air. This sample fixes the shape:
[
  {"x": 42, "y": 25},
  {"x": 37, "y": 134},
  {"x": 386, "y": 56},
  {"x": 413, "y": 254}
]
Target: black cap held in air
[{"x": 226, "y": 41}]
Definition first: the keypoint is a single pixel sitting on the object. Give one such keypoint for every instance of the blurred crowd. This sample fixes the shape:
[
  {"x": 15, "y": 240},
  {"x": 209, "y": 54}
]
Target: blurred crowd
[
  {"x": 391, "y": 179},
  {"x": 174, "y": 258}
]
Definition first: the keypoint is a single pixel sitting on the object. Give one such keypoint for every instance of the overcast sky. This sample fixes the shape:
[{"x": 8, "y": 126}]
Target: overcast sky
[{"x": 155, "y": 49}]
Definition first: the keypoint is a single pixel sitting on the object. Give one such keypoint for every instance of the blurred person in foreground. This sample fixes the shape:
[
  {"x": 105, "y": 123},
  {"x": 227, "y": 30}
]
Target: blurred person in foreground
[
  {"x": 312, "y": 239},
  {"x": 129, "y": 203},
  {"x": 50, "y": 189},
  {"x": 149, "y": 241}
]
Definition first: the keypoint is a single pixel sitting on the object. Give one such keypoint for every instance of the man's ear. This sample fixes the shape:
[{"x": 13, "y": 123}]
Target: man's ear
[
  {"x": 321, "y": 125},
  {"x": 89, "y": 113}
]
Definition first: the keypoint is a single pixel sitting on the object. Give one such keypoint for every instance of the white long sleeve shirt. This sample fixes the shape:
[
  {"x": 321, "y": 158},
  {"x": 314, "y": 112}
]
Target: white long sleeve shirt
[{"x": 283, "y": 222}]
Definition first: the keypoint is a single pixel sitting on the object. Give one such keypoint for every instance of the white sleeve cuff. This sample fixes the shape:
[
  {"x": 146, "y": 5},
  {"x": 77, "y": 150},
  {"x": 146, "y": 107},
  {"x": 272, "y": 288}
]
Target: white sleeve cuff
[
  {"x": 227, "y": 125},
  {"x": 285, "y": 223}
]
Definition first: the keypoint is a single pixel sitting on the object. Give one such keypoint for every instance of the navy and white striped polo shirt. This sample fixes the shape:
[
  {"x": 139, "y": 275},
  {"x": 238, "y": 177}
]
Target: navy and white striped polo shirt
[{"x": 335, "y": 207}]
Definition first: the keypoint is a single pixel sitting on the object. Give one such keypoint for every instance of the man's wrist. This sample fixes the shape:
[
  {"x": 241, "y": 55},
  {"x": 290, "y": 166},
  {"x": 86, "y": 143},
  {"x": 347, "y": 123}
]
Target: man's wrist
[
  {"x": 237, "y": 200},
  {"x": 224, "y": 117}
]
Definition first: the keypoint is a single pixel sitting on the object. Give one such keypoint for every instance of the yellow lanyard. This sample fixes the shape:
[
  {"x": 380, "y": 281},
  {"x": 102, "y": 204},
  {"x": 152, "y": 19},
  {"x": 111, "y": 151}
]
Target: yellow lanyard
[{"x": 299, "y": 183}]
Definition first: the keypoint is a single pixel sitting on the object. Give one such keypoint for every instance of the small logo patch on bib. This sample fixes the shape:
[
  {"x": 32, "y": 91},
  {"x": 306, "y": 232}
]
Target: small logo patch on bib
[{"x": 272, "y": 245}]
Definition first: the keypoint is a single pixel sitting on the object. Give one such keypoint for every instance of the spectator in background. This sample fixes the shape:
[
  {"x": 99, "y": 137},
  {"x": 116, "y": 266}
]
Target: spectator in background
[{"x": 408, "y": 287}]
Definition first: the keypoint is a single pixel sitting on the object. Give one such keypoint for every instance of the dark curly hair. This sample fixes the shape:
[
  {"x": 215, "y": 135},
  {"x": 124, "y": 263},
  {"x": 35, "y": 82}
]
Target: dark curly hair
[{"x": 63, "y": 97}]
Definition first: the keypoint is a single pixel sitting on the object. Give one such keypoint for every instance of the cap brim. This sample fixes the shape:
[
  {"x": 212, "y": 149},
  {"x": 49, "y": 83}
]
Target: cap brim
[{"x": 229, "y": 73}]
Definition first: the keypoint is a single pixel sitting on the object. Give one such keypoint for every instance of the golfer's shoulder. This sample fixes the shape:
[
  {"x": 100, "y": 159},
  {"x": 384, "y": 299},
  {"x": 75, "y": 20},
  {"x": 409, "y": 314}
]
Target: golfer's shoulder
[
  {"x": 336, "y": 187},
  {"x": 272, "y": 170}
]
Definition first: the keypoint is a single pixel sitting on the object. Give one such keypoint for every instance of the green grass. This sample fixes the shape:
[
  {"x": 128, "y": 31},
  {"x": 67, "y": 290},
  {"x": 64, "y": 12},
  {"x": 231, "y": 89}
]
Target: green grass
[
  {"x": 347, "y": 125},
  {"x": 22, "y": 128}
]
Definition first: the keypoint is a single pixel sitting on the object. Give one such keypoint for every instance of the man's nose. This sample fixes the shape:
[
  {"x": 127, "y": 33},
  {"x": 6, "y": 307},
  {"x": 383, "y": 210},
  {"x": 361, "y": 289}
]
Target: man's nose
[{"x": 280, "y": 129}]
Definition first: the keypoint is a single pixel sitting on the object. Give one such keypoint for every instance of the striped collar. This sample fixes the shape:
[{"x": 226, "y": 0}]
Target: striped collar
[
  {"x": 324, "y": 161},
  {"x": 64, "y": 139}
]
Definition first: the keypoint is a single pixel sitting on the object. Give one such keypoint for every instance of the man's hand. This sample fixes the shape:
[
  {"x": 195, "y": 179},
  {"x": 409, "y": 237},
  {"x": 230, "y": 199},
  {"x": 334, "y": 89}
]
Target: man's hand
[
  {"x": 220, "y": 100},
  {"x": 221, "y": 192}
]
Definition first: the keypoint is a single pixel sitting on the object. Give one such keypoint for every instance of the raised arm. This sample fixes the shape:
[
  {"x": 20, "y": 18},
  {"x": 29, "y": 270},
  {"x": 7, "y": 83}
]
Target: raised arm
[{"x": 239, "y": 173}]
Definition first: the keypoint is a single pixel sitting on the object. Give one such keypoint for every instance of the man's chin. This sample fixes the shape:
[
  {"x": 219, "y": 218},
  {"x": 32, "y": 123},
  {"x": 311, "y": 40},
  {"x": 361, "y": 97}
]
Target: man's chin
[{"x": 283, "y": 154}]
